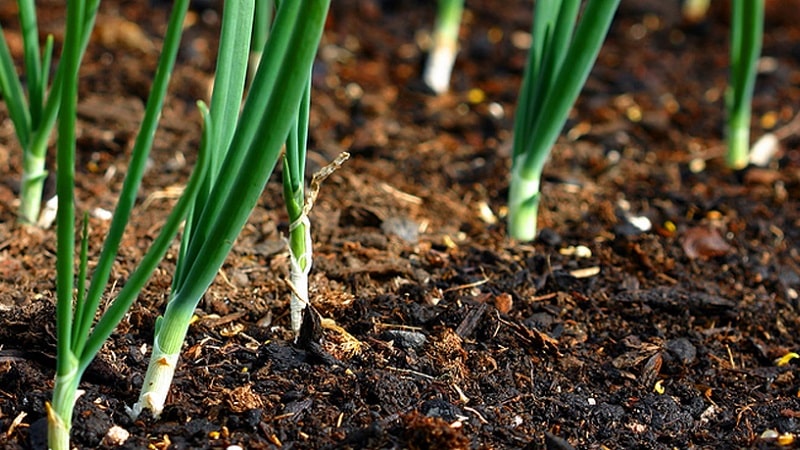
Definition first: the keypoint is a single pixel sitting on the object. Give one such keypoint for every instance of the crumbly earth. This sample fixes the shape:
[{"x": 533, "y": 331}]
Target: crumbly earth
[{"x": 437, "y": 331}]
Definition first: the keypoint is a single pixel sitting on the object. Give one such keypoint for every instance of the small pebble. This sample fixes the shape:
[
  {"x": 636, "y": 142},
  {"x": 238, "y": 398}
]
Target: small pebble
[
  {"x": 682, "y": 349},
  {"x": 769, "y": 435},
  {"x": 442, "y": 409},
  {"x": 550, "y": 237},
  {"x": 116, "y": 436},
  {"x": 764, "y": 150},
  {"x": 504, "y": 302},
  {"x": 402, "y": 227},
  {"x": 704, "y": 243},
  {"x": 406, "y": 339},
  {"x": 102, "y": 214}
]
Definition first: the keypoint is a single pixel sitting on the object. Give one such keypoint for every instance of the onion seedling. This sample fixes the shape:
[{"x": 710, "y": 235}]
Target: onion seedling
[
  {"x": 747, "y": 29},
  {"x": 79, "y": 342},
  {"x": 298, "y": 204},
  {"x": 258, "y": 134},
  {"x": 444, "y": 48},
  {"x": 300, "y": 244},
  {"x": 559, "y": 62},
  {"x": 34, "y": 116}
]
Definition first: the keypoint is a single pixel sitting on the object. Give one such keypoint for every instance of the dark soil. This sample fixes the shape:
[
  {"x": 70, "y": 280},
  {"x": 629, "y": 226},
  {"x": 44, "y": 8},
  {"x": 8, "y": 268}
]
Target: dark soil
[{"x": 438, "y": 331}]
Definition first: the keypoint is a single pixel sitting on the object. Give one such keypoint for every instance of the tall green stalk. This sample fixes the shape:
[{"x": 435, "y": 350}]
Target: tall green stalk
[
  {"x": 79, "y": 342},
  {"x": 559, "y": 62},
  {"x": 262, "y": 127},
  {"x": 747, "y": 29},
  {"x": 442, "y": 56},
  {"x": 59, "y": 416},
  {"x": 34, "y": 115}
]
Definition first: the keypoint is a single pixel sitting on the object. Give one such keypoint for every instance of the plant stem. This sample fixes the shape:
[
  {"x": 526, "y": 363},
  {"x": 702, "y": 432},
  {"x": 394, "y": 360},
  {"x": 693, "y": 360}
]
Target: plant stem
[
  {"x": 67, "y": 377},
  {"x": 300, "y": 244},
  {"x": 523, "y": 205},
  {"x": 559, "y": 63},
  {"x": 171, "y": 331},
  {"x": 747, "y": 29},
  {"x": 445, "y": 45},
  {"x": 59, "y": 414},
  {"x": 32, "y": 184},
  {"x": 77, "y": 343},
  {"x": 261, "y": 21}
]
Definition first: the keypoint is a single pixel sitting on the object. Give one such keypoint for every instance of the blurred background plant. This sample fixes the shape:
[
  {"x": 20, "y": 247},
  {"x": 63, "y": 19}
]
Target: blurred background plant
[
  {"x": 563, "y": 51},
  {"x": 444, "y": 45},
  {"x": 747, "y": 29},
  {"x": 31, "y": 107}
]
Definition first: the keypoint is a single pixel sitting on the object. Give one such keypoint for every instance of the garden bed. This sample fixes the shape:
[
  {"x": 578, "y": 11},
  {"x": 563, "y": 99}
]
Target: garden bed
[{"x": 437, "y": 331}]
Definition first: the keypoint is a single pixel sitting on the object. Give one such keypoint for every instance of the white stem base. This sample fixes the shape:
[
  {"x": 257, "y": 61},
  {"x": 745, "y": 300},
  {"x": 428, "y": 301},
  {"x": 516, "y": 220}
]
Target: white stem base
[
  {"x": 523, "y": 207},
  {"x": 300, "y": 268},
  {"x": 59, "y": 414},
  {"x": 439, "y": 67},
  {"x": 157, "y": 382}
]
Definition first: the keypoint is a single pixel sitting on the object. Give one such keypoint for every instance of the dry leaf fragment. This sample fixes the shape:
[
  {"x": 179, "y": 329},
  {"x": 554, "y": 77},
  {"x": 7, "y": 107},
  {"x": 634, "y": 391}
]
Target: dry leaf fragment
[{"x": 704, "y": 243}]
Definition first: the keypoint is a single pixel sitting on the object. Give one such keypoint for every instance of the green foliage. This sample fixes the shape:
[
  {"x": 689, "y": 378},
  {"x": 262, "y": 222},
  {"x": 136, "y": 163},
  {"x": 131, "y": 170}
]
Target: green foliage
[
  {"x": 559, "y": 62},
  {"x": 747, "y": 29},
  {"x": 78, "y": 341},
  {"x": 269, "y": 111},
  {"x": 34, "y": 115}
]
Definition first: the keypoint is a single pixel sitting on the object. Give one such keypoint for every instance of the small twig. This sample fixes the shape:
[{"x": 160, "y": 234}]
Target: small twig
[
  {"x": 400, "y": 195},
  {"x": 791, "y": 127},
  {"x": 294, "y": 290},
  {"x": 467, "y": 286},
  {"x": 398, "y": 326},
  {"x": 474, "y": 411},
  {"x": 412, "y": 372}
]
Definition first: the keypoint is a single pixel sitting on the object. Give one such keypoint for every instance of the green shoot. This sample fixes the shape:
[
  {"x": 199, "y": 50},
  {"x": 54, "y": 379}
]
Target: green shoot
[
  {"x": 747, "y": 29},
  {"x": 444, "y": 48},
  {"x": 300, "y": 244},
  {"x": 298, "y": 205},
  {"x": 270, "y": 110},
  {"x": 79, "y": 342},
  {"x": 559, "y": 62},
  {"x": 34, "y": 116}
]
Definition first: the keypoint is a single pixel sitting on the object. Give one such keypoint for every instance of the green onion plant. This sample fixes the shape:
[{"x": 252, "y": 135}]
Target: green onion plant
[
  {"x": 245, "y": 153},
  {"x": 747, "y": 29},
  {"x": 300, "y": 244},
  {"x": 34, "y": 115},
  {"x": 76, "y": 307},
  {"x": 560, "y": 59},
  {"x": 442, "y": 56},
  {"x": 299, "y": 202}
]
